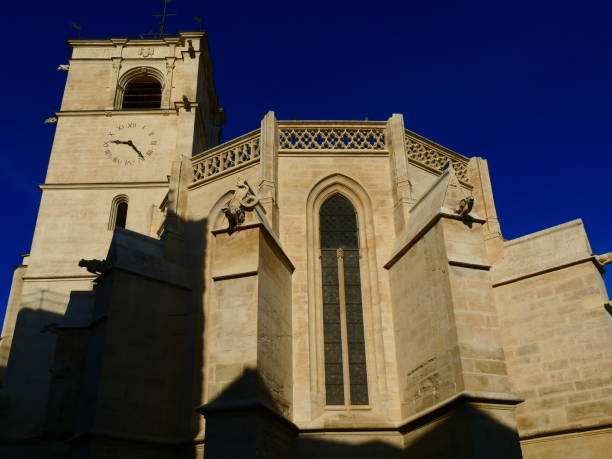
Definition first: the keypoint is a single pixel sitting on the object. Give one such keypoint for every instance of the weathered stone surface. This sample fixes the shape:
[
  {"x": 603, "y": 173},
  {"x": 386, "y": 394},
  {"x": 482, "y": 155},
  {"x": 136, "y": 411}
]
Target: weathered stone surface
[{"x": 469, "y": 343}]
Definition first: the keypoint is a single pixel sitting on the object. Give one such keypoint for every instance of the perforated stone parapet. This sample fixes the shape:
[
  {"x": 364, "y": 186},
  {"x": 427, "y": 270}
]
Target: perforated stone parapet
[
  {"x": 433, "y": 157},
  {"x": 332, "y": 138},
  {"x": 228, "y": 156},
  {"x": 324, "y": 137}
]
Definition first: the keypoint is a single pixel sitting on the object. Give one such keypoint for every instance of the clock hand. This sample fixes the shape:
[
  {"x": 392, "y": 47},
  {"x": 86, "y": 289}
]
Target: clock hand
[
  {"x": 131, "y": 144},
  {"x": 121, "y": 142}
]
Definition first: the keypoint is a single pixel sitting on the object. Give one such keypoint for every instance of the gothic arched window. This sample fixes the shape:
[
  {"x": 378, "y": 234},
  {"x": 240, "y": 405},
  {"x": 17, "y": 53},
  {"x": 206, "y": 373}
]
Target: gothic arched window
[
  {"x": 118, "y": 214},
  {"x": 142, "y": 92},
  {"x": 343, "y": 333}
]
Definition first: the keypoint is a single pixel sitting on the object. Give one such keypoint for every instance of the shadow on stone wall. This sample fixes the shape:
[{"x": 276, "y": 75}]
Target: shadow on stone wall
[
  {"x": 242, "y": 422},
  {"x": 198, "y": 232},
  {"x": 28, "y": 369},
  {"x": 157, "y": 348},
  {"x": 64, "y": 372}
]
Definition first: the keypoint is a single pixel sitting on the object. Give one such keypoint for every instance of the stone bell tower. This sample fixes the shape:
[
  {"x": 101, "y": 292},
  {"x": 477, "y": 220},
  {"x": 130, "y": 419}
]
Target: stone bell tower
[{"x": 129, "y": 109}]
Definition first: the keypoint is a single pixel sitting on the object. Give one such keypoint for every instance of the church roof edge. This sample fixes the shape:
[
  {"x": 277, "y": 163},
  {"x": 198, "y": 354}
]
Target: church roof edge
[{"x": 72, "y": 42}]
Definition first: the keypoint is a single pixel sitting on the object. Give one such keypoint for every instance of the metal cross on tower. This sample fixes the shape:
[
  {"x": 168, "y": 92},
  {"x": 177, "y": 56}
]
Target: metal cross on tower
[{"x": 161, "y": 32}]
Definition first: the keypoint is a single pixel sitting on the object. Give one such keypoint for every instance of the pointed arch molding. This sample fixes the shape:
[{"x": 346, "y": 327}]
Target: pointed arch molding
[
  {"x": 375, "y": 358},
  {"x": 125, "y": 78}
]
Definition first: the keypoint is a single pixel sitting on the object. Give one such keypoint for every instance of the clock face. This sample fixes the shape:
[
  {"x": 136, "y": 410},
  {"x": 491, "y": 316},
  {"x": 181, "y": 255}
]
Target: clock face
[{"x": 130, "y": 143}]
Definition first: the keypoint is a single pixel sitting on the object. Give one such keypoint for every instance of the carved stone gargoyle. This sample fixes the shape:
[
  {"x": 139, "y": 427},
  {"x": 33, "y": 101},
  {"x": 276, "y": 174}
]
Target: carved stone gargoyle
[
  {"x": 604, "y": 259},
  {"x": 95, "y": 266},
  {"x": 242, "y": 200},
  {"x": 465, "y": 206}
]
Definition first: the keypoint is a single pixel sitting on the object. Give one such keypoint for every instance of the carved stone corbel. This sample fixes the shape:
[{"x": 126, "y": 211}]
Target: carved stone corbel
[
  {"x": 604, "y": 259},
  {"x": 190, "y": 49},
  {"x": 243, "y": 199}
]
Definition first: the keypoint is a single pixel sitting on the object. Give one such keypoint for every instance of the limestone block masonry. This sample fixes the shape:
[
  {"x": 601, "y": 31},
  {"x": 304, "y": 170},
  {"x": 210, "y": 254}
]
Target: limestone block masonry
[{"x": 326, "y": 289}]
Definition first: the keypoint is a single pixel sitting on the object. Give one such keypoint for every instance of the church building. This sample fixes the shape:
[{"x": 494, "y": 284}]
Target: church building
[{"x": 326, "y": 289}]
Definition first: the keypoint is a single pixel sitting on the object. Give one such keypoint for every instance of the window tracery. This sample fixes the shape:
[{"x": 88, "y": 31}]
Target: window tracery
[{"x": 343, "y": 330}]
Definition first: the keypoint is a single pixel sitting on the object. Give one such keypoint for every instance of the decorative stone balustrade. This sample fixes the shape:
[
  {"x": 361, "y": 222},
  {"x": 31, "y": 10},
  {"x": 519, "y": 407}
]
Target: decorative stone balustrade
[
  {"x": 434, "y": 156},
  {"x": 236, "y": 153},
  {"x": 337, "y": 136},
  {"x": 306, "y": 136}
]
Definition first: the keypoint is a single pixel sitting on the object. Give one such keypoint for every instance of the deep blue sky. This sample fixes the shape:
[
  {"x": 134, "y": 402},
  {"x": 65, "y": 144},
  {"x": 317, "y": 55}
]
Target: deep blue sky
[{"x": 527, "y": 85}]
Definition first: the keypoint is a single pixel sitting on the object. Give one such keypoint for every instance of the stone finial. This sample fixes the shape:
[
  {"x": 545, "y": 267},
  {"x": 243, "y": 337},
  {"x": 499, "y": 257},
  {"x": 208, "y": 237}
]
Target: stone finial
[
  {"x": 242, "y": 200},
  {"x": 64, "y": 67},
  {"x": 95, "y": 266},
  {"x": 604, "y": 259},
  {"x": 465, "y": 206},
  {"x": 52, "y": 120}
]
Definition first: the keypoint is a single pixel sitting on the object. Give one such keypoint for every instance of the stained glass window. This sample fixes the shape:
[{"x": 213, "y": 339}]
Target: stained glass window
[{"x": 346, "y": 380}]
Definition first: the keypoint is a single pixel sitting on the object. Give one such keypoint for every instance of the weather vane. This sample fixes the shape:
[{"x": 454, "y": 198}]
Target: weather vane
[{"x": 161, "y": 32}]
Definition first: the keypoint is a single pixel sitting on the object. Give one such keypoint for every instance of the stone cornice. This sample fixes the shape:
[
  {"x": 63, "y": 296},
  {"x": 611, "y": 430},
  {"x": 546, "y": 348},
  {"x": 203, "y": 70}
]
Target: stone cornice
[
  {"x": 102, "y": 185},
  {"x": 235, "y": 275},
  {"x": 579, "y": 431},
  {"x": 542, "y": 252},
  {"x": 465, "y": 397},
  {"x": 269, "y": 235},
  {"x": 333, "y": 153},
  {"x": 466, "y": 264},
  {"x": 567, "y": 264},
  {"x": 50, "y": 277},
  {"x": 418, "y": 234},
  {"x": 128, "y": 60},
  {"x": 330, "y": 123},
  {"x": 440, "y": 409},
  {"x": 110, "y": 113},
  {"x": 543, "y": 233},
  {"x": 134, "y": 41}
]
